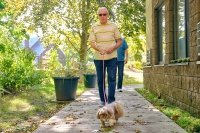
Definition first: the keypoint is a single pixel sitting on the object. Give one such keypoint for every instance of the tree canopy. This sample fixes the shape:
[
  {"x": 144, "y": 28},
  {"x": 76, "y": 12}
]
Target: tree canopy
[{"x": 68, "y": 22}]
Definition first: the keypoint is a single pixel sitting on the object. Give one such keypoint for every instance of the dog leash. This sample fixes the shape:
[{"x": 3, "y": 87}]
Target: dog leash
[{"x": 104, "y": 83}]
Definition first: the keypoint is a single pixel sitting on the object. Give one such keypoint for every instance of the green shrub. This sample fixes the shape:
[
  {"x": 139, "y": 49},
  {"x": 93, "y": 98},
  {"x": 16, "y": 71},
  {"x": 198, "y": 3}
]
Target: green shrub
[
  {"x": 179, "y": 60},
  {"x": 173, "y": 61},
  {"x": 184, "y": 60},
  {"x": 35, "y": 77},
  {"x": 137, "y": 65},
  {"x": 129, "y": 64},
  {"x": 196, "y": 126},
  {"x": 17, "y": 70}
]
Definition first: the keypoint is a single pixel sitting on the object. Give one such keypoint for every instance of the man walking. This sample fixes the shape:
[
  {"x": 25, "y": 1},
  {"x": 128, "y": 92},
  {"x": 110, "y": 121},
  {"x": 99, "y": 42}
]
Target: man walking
[
  {"x": 102, "y": 39},
  {"x": 122, "y": 59}
]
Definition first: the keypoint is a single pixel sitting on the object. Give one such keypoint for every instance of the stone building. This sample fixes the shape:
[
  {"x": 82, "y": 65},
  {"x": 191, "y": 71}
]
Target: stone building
[{"x": 173, "y": 57}]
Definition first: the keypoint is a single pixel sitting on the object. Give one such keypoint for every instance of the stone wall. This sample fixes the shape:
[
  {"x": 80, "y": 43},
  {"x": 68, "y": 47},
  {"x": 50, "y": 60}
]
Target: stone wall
[{"x": 178, "y": 84}]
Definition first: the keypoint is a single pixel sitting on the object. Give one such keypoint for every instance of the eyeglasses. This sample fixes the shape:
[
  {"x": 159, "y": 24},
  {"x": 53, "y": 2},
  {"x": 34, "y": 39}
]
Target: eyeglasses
[{"x": 102, "y": 14}]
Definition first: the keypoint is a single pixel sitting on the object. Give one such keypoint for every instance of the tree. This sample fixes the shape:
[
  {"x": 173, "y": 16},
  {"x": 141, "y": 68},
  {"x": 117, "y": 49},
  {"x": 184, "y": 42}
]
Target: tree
[
  {"x": 132, "y": 21},
  {"x": 68, "y": 22},
  {"x": 62, "y": 22}
]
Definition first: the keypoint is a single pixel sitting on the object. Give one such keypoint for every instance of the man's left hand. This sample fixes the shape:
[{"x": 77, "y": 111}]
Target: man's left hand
[
  {"x": 125, "y": 62},
  {"x": 110, "y": 50}
]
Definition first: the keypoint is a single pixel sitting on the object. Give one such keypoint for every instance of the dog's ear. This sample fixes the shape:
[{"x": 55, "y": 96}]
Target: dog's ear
[
  {"x": 98, "y": 115},
  {"x": 119, "y": 109}
]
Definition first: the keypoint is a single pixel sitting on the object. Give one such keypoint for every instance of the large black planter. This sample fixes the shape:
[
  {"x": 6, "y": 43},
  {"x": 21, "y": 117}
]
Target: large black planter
[
  {"x": 90, "y": 80},
  {"x": 65, "y": 88}
]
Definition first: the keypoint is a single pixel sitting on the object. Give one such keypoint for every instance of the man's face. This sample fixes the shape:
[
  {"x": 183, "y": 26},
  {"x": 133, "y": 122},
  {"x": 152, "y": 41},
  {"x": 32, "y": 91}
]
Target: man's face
[{"x": 103, "y": 16}]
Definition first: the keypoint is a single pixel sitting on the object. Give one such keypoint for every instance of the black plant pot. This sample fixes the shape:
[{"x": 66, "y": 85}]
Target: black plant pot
[
  {"x": 90, "y": 80},
  {"x": 65, "y": 88}
]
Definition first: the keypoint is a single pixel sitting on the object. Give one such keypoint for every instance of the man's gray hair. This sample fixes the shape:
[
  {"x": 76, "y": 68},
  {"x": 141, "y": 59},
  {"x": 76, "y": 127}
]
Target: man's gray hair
[{"x": 102, "y": 8}]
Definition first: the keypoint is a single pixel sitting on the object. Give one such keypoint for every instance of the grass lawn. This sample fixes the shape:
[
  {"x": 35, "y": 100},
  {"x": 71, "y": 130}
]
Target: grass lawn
[{"x": 24, "y": 111}]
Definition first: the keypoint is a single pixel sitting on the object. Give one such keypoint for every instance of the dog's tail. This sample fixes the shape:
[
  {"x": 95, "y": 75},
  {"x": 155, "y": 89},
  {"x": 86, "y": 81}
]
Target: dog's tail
[{"x": 119, "y": 109}]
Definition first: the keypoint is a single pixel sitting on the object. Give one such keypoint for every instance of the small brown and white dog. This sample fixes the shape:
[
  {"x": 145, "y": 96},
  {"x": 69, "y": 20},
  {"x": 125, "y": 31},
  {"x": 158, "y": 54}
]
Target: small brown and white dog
[{"x": 110, "y": 112}]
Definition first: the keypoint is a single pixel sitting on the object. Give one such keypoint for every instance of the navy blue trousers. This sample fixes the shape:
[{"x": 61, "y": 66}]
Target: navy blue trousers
[
  {"x": 111, "y": 67},
  {"x": 120, "y": 66}
]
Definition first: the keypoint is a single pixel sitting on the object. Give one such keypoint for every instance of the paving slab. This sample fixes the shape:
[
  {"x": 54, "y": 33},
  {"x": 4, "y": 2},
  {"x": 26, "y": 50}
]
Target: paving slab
[{"x": 80, "y": 116}]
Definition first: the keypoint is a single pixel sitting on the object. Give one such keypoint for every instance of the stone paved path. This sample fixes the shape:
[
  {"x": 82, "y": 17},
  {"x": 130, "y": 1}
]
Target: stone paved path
[{"x": 80, "y": 116}]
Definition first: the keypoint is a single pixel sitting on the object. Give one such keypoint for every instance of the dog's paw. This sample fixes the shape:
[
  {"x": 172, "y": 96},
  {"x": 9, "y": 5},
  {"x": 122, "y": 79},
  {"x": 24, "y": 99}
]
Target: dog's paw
[
  {"x": 111, "y": 126},
  {"x": 102, "y": 123},
  {"x": 102, "y": 126},
  {"x": 112, "y": 122}
]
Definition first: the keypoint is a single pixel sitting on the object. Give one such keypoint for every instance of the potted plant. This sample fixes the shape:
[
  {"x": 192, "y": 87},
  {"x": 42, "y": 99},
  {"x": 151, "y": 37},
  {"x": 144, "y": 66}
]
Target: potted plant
[
  {"x": 90, "y": 77},
  {"x": 66, "y": 82}
]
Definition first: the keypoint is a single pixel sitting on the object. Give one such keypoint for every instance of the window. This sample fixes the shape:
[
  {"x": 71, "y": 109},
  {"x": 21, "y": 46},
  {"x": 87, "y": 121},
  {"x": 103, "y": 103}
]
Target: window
[
  {"x": 181, "y": 29},
  {"x": 161, "y": 34}
]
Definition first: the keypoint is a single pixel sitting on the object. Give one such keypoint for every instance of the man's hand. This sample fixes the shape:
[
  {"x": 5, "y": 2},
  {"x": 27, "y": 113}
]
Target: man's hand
[
  {"x": 102, "y": 52},
  {"x": 110, "y": 50},
  {"x": 125, "y": 62}
]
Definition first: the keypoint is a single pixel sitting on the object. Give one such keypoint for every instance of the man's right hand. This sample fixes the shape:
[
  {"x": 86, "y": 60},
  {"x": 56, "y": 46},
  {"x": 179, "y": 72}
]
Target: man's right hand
[{"x": 102, "y": 52}]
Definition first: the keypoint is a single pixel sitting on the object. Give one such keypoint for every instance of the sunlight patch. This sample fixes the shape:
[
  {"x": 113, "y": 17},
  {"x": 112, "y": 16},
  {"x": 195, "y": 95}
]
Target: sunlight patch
[{"x": 20, "y": 105}]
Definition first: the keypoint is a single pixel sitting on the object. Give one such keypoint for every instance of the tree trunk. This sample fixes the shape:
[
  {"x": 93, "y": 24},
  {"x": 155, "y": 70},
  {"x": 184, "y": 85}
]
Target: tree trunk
[{"x": 84, "y": 34}]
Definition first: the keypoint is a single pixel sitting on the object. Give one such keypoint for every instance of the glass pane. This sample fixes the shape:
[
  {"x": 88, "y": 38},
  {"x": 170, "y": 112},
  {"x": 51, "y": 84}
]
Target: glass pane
[
  {"x": 180, "y": 30},
  {"x": 163, "y": 34}
]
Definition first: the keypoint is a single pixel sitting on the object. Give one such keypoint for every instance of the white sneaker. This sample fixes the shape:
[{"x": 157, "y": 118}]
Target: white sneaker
[{"x": 120, "y": 90}]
